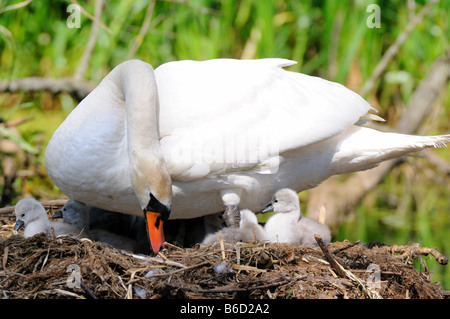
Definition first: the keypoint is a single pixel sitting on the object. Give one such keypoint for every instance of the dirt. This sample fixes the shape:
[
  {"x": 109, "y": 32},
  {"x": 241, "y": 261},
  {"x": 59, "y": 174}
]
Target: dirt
[{"x": 67, "y": 267}]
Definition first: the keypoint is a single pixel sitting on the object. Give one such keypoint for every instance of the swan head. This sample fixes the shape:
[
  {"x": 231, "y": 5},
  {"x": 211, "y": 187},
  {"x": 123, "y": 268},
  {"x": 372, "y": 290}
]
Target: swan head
[
  {"x": 152, "y": 185},
  {"x": 284, "y": 201},
  {"x": 28, "y": 210}
]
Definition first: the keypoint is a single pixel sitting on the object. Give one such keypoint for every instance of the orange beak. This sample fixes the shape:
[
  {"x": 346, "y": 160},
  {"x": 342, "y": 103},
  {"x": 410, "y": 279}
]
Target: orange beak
[{"x": 155, "y": 230}]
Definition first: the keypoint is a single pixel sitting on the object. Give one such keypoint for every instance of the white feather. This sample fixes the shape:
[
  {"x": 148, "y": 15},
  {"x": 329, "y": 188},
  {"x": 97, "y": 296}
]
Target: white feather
[{"x": 247, "y": 126}]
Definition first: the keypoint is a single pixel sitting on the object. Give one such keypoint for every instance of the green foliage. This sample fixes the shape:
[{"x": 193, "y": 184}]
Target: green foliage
[{"x": 328, "y": 38}]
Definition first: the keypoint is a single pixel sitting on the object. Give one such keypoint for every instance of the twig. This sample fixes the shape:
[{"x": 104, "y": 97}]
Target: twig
[
  {"x": 77, "y": 88},
  {"x": 162, "y": 261},
  {"x": 333, "y": 263},
  {"x": 338, "y": 268},
  {"x": 129, "y": 294},
  {"x": 222, "y": 247},
  {"x": 15, "y": 6},
  {"x": 351, "y": 276},
  {"x": 423, "y": 98},
  {"x": 336, "y": 251},
  {"x": 322, "y": 214},
  {"x": 410, "y": 250},
  {"x": 61, "y": 292},
  {"x": 232, "y": 289},
  {"x": 439, "y": 162},
  {"x": 383, "y": 272},
  {"x": 91, "y": 42},
  {"x": 45, "y": 259},
  {"x": 87, "y": 290},
  {"x": 9, "y": 176},
  {"x": 143, "y": 31},
  {"x": 171, "y": 272},
  {"x": 90, "y": 17},
  {"x": 200, "y": 290},
  {"x": 5, "y": 256},
  {"x": 173, "y": 246},
  {"x": 160, "y": 254},
  {"x": 247, "y": 268},
  {"x": 393, "y": 49},
  {"x": 16, "y": 122},
  {"x": 182, "y": 269}
]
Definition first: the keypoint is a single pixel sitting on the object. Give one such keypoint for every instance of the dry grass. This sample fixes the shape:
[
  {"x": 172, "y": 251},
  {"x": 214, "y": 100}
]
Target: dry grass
[{"x": 39, "y": 267}]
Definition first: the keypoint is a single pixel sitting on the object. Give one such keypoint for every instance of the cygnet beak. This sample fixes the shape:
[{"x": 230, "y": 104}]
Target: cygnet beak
[
  {"x": 19, "y": 224},
  {"x": 58, "y": 215},
  {"x": 267, "y": 209}
]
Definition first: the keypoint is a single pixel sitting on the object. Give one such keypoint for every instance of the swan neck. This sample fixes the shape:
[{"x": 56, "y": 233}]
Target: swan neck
[
  {"x": 136, "y": 84},
  {"x": 139, "y": 91}
]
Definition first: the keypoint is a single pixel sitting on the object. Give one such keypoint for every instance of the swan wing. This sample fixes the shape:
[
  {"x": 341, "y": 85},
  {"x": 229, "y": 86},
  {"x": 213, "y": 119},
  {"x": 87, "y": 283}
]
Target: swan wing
[{"x": 225, "y": 115}]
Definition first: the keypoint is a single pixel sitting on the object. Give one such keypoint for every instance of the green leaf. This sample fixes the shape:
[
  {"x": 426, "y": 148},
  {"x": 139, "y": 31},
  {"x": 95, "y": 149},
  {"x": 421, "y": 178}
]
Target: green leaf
[{"x": 24, "y": 144}]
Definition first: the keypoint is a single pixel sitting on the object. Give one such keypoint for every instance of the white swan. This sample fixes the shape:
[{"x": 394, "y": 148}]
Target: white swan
[
  {"x": 32, "y": 215},
  {"x": 249, "y": 229},
  {"x": 191, "y": 138},
  {"x": 76, "y": 214},
  {"x": 287, "y": 225}
]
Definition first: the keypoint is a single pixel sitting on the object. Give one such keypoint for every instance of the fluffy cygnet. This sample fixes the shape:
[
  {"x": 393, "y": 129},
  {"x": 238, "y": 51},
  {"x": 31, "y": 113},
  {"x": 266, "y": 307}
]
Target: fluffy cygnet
[
  {"x": 77, "y": 214},
  {"x": 248, "y": 230},
  {"x": 32, "y": 215},
  {"x": 287, "y": 225}
]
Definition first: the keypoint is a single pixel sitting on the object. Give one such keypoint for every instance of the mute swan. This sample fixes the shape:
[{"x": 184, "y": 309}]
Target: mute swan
[
  {"x": 31, "y": 214},
  {"x": 76, "y": 215},
  {"x": 248, "y": 230},
  {"x": 192, "y": 138},
  {"x": 287, "y": 225}
]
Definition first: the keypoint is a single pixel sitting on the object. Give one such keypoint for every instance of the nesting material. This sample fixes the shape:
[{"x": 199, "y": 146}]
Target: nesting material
[{"x": 67, "y": 267}]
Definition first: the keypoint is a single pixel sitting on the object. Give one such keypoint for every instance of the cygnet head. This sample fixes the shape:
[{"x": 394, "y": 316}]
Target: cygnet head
[
  {"x": 28, "y": 210},
  {"x": 284, "y": 201},
  {"x": 74, "y": 213}
]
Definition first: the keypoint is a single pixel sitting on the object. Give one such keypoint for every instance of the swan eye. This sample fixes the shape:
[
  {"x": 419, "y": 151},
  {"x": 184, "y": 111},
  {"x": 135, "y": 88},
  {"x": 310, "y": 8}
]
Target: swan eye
[
  {"x": 275, "y": 201},
  {"x": 23, "y": 215}
]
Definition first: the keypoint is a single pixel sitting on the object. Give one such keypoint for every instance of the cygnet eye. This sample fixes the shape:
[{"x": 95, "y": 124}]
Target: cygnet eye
[{"x": 275, "y": 201}]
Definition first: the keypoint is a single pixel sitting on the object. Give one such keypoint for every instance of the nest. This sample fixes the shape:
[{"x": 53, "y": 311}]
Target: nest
[
  {"x": 67, "y": 267},
  {"x": 48, "y": 267}
]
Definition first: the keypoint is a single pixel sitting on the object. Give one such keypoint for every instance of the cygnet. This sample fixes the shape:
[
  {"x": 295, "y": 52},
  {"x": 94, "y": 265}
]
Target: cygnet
[
  {"x": 248, "y": 230},
  {"x": 32, "y": 215},
  {"x": 77, "y": 214},
  {"x": 287, "y": 225}
]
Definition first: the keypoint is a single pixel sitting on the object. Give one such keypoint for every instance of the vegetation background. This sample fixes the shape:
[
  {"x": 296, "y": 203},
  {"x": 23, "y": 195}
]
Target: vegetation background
[{"x": 331, "y": 39}]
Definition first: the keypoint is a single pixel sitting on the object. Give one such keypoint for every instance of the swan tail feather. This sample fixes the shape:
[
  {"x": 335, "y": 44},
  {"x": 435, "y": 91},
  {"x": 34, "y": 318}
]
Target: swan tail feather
[{"x": 366, "y": 148}]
